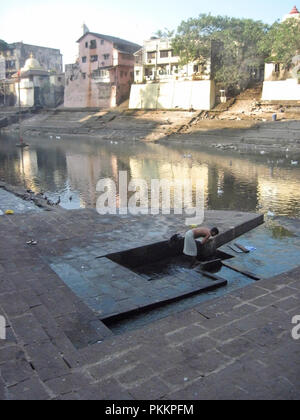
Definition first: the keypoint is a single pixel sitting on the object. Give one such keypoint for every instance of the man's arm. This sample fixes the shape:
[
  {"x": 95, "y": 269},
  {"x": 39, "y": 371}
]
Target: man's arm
[{"x": 206, "y": 239}]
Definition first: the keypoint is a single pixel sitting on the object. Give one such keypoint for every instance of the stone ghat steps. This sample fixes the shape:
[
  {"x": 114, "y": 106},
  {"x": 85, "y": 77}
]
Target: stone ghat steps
[
  {"x": 279, "y": 134},
  {"x": 106, "y": 123}
]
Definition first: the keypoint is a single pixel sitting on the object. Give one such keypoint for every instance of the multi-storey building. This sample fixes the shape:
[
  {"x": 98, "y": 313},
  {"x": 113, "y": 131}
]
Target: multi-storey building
[
  {"x": 161, "y": 81},
  {"x": 103, "y": 73},
  {"x": 156, "y": 61},
  {"x": 17, "y": 53}
]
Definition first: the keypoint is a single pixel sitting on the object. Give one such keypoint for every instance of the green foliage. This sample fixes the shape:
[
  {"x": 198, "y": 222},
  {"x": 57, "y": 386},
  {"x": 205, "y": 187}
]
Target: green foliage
[
  {"x": 235, "y": 45},
  {"x": 166, "y": 33},
  {"x": 282, "y": 42},
  {"x": 232, "y": 43},
  {"x": 3, "y": 45}
]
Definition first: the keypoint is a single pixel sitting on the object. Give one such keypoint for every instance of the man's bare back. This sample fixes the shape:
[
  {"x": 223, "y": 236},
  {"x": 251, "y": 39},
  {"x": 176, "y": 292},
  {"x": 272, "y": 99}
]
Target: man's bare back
[{"x": 202, "y": 233}]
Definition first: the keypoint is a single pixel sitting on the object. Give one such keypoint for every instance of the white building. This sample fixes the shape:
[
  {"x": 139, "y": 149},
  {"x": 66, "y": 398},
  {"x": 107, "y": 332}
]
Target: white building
[
  {"x": 156, "y": 61},
  {"x": 294, "y": 14},
  {"x": 162, "y": 82},
  {"x": 281, "y": 84},
  {"x": 38, "y": 87}
]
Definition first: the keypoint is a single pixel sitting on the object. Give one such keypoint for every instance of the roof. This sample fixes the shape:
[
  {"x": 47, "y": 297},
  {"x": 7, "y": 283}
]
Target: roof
[
  {"x": 21, "y": 44},
  {"x": 120, "y": 44},
  {"x": 295, "y": 11}
]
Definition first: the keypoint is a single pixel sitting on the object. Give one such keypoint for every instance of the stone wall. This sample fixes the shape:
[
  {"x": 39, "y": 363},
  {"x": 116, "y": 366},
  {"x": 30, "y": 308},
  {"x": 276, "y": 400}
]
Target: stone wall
[
  {"x": 174, "y": 95},
  {"x": 86, "y": 93},
  {"x": 286, "y": 90}
]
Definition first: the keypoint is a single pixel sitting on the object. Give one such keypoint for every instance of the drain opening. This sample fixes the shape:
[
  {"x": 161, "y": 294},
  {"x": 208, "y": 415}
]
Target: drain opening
[{"x": 157, "y": 261}]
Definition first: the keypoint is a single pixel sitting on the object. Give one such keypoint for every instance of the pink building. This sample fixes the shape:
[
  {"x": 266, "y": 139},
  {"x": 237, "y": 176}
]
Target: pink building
[{"x": 103, "y": 73}]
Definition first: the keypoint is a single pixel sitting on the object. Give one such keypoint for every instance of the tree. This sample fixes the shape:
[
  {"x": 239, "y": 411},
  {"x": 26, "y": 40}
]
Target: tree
[
  {"x": 166, "y": 33},
  {"x": 3, "y": 45},
  {"x": 232, "y": 43},
  {"x": 282, "y": 42}
]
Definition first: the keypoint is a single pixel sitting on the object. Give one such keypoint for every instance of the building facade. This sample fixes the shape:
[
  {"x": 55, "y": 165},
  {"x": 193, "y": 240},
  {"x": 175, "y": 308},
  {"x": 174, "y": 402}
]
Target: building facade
[
  {"x": 280, "y": 83},
  {"x": 160, "y": 81},
  {"x": 36, "y": 87},
  {"x": 156, "y": 61},
  {"x": 103, "y": 73},
  {"x": 14, "y": 58},
  {"x": 16, "y": 55}
]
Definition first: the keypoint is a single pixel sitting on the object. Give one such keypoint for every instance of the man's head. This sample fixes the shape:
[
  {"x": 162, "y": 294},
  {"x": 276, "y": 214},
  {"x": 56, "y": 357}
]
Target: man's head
[{"x": 214, "y": 231}]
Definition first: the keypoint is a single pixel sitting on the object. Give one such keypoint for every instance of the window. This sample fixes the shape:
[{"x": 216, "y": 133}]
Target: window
[
  {"x": 100, "y": 73},
  {"x": 151, "y": 55},
  {"x": 84, "y": 59},
  {"x": 196, "y": 68},
  {"x": 59, "y": 79},
  {"x": 10, "y": 64},
  {"x": 86, "y": 45},
  {"x": 106, "y": 56},
  {"x": 163, "y": 71},
  {"x": 94, "y": 58},
  {"x": 84, "y": 75},
  {"x": 102, "y": 42},
  {"x": 164, "y": 54},
  {"x": 175, "y": 69},
  {"x": 122, "y": 74},
  {"x": 93, "y": 44},
  {"x": 277, "y": 68}
]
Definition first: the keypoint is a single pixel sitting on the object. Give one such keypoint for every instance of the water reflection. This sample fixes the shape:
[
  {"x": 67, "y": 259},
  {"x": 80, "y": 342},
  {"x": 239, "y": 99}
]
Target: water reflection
[{"x": 71, "y": 168}]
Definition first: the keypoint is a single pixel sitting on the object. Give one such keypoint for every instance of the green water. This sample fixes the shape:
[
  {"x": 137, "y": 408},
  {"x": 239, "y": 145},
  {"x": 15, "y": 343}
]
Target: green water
[{"x": 70, "y": 168}]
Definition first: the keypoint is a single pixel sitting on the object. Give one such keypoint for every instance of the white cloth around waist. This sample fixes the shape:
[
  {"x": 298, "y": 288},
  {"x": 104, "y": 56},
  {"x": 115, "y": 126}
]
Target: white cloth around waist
[{"x": 190, "y": 245}]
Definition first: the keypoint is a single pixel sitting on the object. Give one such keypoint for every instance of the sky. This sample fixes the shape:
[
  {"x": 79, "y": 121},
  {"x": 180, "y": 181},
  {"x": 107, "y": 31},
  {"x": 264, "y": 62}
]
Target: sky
[{"x": 58, "y": 23}]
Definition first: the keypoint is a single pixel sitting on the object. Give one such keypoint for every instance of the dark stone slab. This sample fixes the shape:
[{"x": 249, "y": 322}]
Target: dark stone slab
[
  {"x": 29, "y": 390},
  {"x": 16, "y": 371},
  {"x": 28, "y": 330}
]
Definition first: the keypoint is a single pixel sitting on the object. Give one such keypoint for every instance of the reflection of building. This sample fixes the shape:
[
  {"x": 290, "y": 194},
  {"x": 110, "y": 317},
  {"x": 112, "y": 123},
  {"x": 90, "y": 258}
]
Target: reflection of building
[
  {"x": 86, "y": 169},
  {"x": 103, "y": 73},
  {"x": 282, "y": 84},
  {"x": 38, "y": 87},
  {"x": 162, "y": 82},
  {"x": 2, "y": 68}
]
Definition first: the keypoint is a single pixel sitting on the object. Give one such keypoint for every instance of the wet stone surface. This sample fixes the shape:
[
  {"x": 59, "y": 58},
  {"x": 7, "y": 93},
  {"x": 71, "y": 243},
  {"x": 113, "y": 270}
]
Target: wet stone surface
[
  {"x": 9, "y": 201},
  {"x": 110, "y": 289},
  {"x": 237, "y": 347}
]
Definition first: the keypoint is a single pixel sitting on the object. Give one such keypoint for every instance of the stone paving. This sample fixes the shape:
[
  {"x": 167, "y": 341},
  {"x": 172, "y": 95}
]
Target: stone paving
[
  {"x": 236, "y": 347},
  {"x": 9, "y": 201},
  {"x": 106, "y": 287}
]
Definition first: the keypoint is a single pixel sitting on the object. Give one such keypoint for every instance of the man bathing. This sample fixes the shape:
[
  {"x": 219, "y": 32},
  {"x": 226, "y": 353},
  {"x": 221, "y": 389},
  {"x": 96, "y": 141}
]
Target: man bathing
[{"x": 190, "y": 244}]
